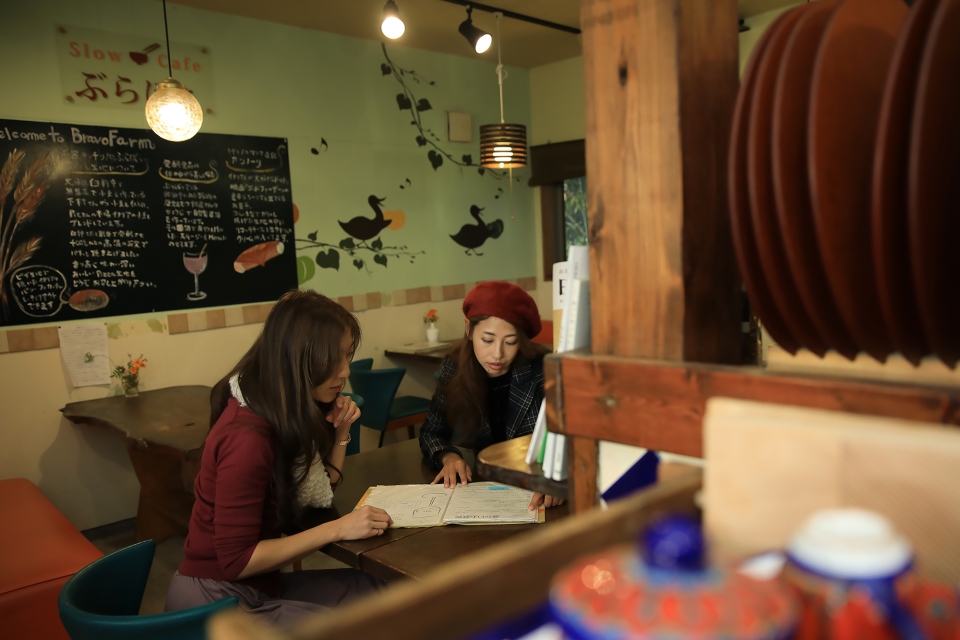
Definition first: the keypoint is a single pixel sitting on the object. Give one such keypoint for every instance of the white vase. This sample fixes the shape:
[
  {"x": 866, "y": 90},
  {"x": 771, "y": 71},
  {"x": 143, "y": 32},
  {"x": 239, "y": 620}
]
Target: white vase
[{"x": 433, "y": 334}]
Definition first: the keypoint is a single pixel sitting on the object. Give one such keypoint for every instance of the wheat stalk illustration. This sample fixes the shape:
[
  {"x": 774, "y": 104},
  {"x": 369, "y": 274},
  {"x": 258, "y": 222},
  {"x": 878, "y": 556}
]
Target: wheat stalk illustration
[
  {"x": 7, "y": 176},
  {"x": 27, "y": 196}
]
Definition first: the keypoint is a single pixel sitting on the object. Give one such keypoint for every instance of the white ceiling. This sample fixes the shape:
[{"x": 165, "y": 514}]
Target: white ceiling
[{"x": 432, "y": 24}]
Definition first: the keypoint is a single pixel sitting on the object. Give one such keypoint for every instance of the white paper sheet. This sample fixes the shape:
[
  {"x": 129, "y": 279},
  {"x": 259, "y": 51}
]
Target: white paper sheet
[
  {"x": 85, "y": 352},
  {"x": 489, "y": 502},
  {"x": 411, "y": 505}
]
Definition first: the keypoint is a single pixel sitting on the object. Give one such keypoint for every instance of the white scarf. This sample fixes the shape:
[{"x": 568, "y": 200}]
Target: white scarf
[{"x": 315, "y": 490}]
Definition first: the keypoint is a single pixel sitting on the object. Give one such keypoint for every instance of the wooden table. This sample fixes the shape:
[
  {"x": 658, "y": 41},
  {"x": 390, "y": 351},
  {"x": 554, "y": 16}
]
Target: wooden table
[
  {"x": 433, "y": 356},
  {"x": 506, "y": 462},
  {"x": 164, "y": 431},
  {"x": 405, "y": 553}
]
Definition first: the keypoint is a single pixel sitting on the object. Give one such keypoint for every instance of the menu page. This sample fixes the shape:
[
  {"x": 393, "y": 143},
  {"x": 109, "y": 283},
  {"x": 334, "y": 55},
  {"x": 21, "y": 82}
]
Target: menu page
[
  {"x": 490, "y": 503},
  {"x": 427, "y": 505},
  {"x": 410, "y": 505}
]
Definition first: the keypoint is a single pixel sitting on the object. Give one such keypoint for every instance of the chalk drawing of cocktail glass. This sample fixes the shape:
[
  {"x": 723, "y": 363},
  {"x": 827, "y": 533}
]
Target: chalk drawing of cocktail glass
[
  {"x": 196, "y": 263},
  {"x": 430, "y": 509}
]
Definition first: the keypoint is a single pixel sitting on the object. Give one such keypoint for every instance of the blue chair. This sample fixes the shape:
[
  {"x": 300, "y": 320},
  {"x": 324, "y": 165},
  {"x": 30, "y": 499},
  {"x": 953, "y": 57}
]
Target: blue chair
[
  {"x": 101, "y": 601},
  {"x": 382, "y": 410},
  {"x": 354, "y": 445},
  {"x": 362, "y": 365}
]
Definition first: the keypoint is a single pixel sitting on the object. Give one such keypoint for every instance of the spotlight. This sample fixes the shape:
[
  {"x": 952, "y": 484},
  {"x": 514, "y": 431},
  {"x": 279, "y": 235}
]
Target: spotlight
[
  {"x": 392, "y": 26},
  {"x": 479, "y": 39}
]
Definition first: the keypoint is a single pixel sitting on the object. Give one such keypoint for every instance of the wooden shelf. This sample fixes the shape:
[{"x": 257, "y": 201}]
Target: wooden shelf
[
  {"x": 660, "y": 405},
  {"x": 506, "y": 462}
]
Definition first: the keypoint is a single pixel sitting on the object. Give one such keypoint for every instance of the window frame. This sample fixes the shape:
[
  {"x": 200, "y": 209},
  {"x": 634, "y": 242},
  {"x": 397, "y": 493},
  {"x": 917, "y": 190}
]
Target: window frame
[{"x": 551, "y": 165}]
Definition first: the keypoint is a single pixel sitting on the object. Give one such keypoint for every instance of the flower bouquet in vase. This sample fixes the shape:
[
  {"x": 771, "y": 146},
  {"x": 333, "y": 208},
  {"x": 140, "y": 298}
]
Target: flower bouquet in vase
[
  {"x": 129, "y": 375},
  {"x": 433, "y": 334}
]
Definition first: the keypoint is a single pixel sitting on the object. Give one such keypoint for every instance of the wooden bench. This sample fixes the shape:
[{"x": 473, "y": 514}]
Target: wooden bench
[{"x": 39, "y": 551}]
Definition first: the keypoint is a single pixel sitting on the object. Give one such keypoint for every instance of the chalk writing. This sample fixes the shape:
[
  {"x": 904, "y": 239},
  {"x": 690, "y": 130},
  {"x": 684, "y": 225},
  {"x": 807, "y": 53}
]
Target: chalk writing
[
  {"x": 38, "y": 290},
  {"x": 124, "y": 222}
]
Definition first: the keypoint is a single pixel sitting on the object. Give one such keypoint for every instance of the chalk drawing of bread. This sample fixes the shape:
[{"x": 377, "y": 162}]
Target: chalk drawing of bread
[
  {"x": 88, "y": 300},
  {"x": 257, "y": 256}
]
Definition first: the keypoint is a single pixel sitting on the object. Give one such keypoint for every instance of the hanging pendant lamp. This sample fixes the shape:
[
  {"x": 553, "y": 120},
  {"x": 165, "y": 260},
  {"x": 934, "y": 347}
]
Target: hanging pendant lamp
[
  {"x": 504, "y": 145},
  {"x": 172, "y": 111},
  {"x": 392, "y": 26}
]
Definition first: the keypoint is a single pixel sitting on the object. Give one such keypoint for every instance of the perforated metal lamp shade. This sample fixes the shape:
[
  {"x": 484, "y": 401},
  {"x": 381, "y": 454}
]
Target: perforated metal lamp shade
[{"x": 503, "y": 146}]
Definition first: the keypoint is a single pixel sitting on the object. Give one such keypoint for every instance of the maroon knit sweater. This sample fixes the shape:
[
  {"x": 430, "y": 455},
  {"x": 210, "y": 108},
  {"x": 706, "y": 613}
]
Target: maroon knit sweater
[{"x": 233, "y": 510}]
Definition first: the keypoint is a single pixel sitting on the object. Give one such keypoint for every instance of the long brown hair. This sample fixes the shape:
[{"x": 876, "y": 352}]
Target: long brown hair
[
  {"x": 465, "y": 395},
  {"x": 297, "y": 351}
]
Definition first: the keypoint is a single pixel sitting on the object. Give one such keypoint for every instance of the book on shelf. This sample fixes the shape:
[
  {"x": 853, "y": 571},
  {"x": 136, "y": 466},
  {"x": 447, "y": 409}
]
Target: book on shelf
[
  {"x": 560, "y": 273},
  {"x": 549, "y": 452},
  {"x": 539, "y": 429},
  {"x": 571, "y": 330},
  {"x": 431, "y": 505},
  {"x": 578, "y": 268}
]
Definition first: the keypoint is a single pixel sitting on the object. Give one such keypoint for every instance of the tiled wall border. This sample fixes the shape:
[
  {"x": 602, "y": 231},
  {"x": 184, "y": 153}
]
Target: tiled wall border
[{"x": 16, "y": 340}]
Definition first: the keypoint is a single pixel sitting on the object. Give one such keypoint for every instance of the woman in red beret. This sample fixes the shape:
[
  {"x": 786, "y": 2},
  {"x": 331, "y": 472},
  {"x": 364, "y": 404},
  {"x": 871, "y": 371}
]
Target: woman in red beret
[{"x": 491, "y": 384}]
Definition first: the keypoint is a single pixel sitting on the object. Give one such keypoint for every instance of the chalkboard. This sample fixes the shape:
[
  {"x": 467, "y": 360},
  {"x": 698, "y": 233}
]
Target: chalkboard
[{"x": 101, "y": 221}]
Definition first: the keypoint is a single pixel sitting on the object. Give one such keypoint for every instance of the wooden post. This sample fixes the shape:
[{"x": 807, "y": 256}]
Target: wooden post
[{"x": 660, "y": 82}]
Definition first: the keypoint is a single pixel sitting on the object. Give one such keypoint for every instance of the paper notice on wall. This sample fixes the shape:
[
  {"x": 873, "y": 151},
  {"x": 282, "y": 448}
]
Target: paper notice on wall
[{"x": 85, "y": 352}]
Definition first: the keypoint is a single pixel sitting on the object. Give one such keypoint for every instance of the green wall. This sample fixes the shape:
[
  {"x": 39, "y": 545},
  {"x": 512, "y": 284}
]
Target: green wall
[{"x": 308, "y": 86}]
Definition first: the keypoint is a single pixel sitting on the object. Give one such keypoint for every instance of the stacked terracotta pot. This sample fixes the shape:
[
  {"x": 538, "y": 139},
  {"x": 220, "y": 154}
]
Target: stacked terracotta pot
[{"x": 845, "y": 178}]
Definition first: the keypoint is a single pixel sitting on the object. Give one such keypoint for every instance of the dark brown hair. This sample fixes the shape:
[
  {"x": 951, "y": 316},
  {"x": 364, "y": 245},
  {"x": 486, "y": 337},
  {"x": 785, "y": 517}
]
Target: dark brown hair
[
  {"x": 465, "y": 395},
  {"x": 297, "y": 351}
]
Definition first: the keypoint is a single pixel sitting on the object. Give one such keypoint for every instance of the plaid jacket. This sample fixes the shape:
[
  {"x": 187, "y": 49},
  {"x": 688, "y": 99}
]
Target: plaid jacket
[{"x": 526, "y": 395}]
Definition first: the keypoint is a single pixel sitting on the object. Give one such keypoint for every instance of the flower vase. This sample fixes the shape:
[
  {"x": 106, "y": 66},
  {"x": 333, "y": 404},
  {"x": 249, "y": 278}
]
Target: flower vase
[
  {"x": 433, "y": 334},
  {"x": 131, "y": 385}
]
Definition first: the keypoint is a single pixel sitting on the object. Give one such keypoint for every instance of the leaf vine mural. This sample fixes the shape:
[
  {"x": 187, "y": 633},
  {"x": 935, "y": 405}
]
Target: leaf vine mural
[
  {"x": 362, "y": 243},
  {"x": 407, "y": 101}
]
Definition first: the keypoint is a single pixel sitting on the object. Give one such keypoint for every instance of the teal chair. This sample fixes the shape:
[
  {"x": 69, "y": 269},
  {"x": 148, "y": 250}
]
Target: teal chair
[
  {"x": 354, "y": 444},
  {"x": 101, "y": 601},
  {"x": 362, "y": 365},
  {"x": 382, "y": 410}
]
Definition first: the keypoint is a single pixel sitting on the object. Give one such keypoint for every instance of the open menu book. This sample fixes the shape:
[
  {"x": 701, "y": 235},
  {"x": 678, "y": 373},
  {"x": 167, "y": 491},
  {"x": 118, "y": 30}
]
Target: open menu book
[{"x": 428, "y": 505}]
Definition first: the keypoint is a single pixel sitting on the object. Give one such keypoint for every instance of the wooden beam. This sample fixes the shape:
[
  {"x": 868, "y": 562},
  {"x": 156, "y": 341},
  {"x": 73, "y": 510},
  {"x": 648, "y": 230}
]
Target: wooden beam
[
  {"x": 484, "y": 587},
  {"x": 660, "y": 82},
  {"x": 583, "y": 458},
  {"x": 660, "y": 405}
]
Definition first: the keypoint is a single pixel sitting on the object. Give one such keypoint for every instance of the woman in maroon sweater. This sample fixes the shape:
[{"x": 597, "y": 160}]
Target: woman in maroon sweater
[{"x": 279, "y": 408}]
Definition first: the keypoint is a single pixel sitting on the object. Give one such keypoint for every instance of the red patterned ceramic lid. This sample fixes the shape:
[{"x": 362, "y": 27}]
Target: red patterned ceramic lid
[{"x": 618, "y": 595}]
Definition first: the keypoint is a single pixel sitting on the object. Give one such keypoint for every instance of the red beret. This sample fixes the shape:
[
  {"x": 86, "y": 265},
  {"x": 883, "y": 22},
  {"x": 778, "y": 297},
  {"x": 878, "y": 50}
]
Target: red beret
[{"x": 506, "y": 301}]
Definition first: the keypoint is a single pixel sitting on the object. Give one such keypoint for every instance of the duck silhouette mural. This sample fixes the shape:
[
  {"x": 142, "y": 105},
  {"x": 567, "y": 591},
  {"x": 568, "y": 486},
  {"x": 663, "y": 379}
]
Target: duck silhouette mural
[
  {"x": 366, "y": 228},
  {"x": 355, "y": 247},
  {"x": 472, "y": 236}
]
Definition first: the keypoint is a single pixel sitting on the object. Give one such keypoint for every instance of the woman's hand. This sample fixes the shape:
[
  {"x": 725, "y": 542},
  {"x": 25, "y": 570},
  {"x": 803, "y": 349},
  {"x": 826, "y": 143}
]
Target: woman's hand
[
  {"x": 345, "y": 412},
  {"x": 365, "y": 522},
  {"x": 453, "y": 465},
  {"x": 548, "y": 501}
]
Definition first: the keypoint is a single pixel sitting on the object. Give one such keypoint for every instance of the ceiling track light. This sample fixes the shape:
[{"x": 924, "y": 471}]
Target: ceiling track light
[
  {"x": 172, "y": 111},
  {"x": 479, "y": 39},
  {"x": 514, "y": 15},
  {"x": 392, "y": 26}
]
